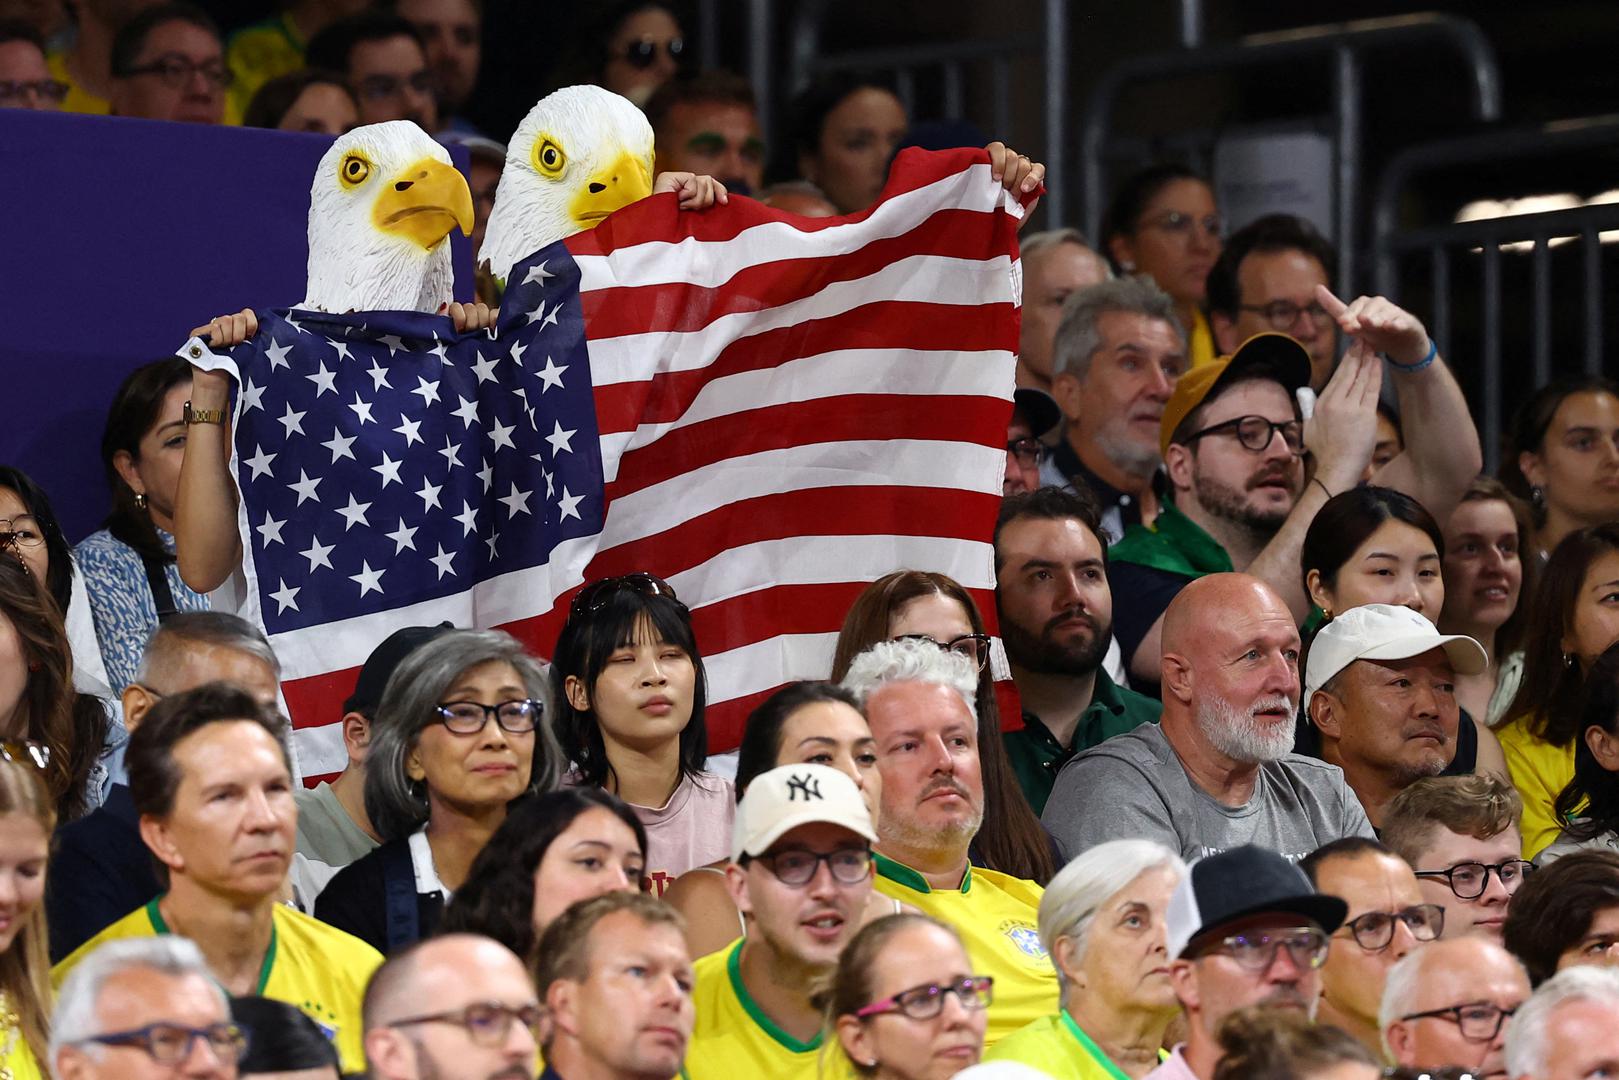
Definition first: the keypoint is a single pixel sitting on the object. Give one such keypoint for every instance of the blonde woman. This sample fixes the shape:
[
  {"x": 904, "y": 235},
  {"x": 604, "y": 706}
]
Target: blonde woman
[{"x": 27, "y": 817}]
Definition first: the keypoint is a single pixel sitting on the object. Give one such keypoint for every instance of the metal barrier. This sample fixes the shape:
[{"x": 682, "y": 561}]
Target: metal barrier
[
  {"x": 1341, "y": 43},
  {"x": 1433, "y": 252}
]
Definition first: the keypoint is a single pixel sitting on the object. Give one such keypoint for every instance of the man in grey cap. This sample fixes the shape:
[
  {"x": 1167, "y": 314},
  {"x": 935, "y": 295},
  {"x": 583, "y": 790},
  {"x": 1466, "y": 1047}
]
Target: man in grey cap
[
  {"x": 1381, "y": 689},
  {"x": 1245, "y": 927}
]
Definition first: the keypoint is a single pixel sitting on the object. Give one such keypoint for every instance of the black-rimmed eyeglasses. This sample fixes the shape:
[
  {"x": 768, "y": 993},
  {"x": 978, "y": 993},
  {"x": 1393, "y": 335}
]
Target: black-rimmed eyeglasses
[
  {"x": 487, "y": 1023},
  {"x": 1027, "y": 450},
  {"x": 1479, "y": 1021},
  {"x": 1284, "y": 314},
  {"x": 171, "y": 1044},
  {"x": 925, "y": 1002},
  {"x": 177, "y": 71},
  {"x": 471, "y": 717},
  {"x": 1374, "y": 930},
  {"x": 1256, "y": 950},
  {"x": 975, "y": 647},
  {"x": 1255, "y": 433},
  {"x": 797, "y": 867},
  {"x": 1468, "y": 880}
]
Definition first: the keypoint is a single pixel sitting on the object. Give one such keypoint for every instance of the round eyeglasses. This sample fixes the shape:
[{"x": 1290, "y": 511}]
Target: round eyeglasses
[
  {"x": 1374, "y": 930},
  {"x": 471, "y": 717},
  {"x": 23, "y": 530},
  {"x": 925, "y": 1002},
  {"x": 487, "y": 1023},
  {"x": 797, "y": 867},
  {"x": 1256, "y": 951},
  {"x": 171, "y": 1044},
  {"x": 1468, "y": 880},
  {"x": 644, "y": 53},
  {"x": 1255, "y": 433},
  {"x": 974, "y": 647}
]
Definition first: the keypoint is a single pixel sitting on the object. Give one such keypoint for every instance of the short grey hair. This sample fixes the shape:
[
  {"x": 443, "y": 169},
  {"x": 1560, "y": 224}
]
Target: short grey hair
[
  {"x": 1526, "y": 1031},
  {"x": 1035, "y": 243},
  {"x": 912, "y": 660},
  {"x": 396, "y": 806},
  {"x": 75, "y": 1019},
  {"x": 1078, "y": 336},
  {"x": 1075, "y": 896},
  {"x": 219, "y": 629}
]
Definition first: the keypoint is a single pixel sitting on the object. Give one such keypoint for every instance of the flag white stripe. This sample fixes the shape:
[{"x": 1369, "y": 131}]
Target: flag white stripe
[{"x": 769, "y": 663}]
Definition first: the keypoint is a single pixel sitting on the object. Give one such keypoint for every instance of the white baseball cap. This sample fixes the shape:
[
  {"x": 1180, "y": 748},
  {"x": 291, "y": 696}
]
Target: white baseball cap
[
  {"x": 784, "y": 798},
  {"x": 1384, "y": 632}
]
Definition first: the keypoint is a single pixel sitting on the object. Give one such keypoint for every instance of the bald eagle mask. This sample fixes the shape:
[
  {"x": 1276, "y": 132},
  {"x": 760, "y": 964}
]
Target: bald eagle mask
[
  {"x": 578, "y": 155},
  {"x": 383, "y": 202}
]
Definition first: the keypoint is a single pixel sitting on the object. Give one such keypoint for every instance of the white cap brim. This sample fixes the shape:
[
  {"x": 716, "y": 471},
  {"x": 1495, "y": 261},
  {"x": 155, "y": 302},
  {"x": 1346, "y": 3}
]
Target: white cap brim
[{"x": 1466, "y": 656}]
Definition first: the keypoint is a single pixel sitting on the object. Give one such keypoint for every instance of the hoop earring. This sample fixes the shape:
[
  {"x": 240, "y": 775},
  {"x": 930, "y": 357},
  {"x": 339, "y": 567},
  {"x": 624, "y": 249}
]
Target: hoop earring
[{"x": 140, "y": 500}]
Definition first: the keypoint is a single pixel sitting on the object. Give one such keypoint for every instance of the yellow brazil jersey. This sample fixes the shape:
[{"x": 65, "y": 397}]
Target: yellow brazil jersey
[
  {"x": 16, "y": 1060},
  {"x": 258, "y": 53},
  {"x": 997, "y": 917},
  {"x": 78, "y": 100},
  {"x": 316, "y": 967},
  {"x": 1540, "y": 772},
  {"x": 1200, "y": 342},
  {"x": 1059, "y": 1048},
  {"x": 734, "y": 1039}
]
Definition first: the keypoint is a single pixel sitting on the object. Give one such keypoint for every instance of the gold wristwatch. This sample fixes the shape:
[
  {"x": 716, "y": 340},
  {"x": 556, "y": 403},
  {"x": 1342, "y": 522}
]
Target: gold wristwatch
[{"x": 203, "y": 416}]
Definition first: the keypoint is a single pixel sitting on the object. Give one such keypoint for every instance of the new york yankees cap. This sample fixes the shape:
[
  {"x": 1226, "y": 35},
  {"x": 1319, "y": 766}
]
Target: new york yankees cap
[{"x": 784, "y": 798}]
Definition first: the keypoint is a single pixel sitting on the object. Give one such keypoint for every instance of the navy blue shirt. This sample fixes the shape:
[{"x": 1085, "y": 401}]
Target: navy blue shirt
[{"x": 101, "y": 870}]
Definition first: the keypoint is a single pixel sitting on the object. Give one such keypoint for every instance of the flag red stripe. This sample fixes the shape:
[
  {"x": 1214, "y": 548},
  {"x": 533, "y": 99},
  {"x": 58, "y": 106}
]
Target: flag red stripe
[
  {"x": 889, "y": 324},
  {"x": 683, "y": 307}
]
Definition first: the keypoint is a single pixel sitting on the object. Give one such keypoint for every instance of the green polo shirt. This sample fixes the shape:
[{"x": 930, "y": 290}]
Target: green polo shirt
[
  {"x": 1173, "y": 543},
  {"x": 1036, "y": 755}
]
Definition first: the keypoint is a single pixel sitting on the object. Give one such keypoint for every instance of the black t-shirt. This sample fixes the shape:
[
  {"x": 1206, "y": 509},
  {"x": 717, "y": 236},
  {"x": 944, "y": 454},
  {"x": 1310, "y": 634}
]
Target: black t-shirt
[
  {"x": 1141, "y": 594},
  {"x": 356, "y": 899}
]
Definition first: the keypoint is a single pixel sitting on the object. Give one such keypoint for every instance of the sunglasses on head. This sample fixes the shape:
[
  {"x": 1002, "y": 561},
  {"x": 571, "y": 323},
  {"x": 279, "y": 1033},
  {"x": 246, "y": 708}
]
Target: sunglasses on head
[
  {"x": 598, "y": 594},
  {"x": 644, "y": 53}
]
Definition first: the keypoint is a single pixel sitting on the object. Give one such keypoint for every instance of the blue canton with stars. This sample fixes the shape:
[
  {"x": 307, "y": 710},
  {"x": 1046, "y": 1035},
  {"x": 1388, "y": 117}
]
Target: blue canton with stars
[{"x": 385, "y": 460}]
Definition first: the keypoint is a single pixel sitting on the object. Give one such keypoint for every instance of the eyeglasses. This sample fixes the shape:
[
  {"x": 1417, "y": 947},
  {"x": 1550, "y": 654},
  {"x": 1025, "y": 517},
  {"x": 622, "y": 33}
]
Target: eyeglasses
[
  {"x": 1480, "y": 1021},
  {"x": 1026, "y": 450},
  {"x": 487, "y": 1022},
  {"x": 798, "y": 867},
  {"x": 1256, "y": 432},
  {"x": 1307, "y": 948},
  {"x": 385, "y": 87},
  {"x": 40, "y": 90},
  {"x": 974, "y": 647},
  {"x": 24, "y": 530},
  {"x": 598, "y": 594},
  {"x": 471, "y": 717},
  {"x": 925, "y": 1002},
  {"x": 1374, "y": 930},
  {"x": 27, "y": 752},
  {"x": 170, "y": 1044},
  {"x": 1181, "y": 225},
  {"x": 177, "y": 71},
  {"x": 644, "y": 53},
  {"x": 1284, "y": 314},
  {"x": 1468, "y": 880}
]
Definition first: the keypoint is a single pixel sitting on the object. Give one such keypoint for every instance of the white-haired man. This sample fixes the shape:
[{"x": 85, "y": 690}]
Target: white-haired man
[
  {"x": 1447, "y": 1004},
  {"x": 1218, "y": 770},
  {"x": 144, "y": 1008},
  {"x": 919, "y": 701},
  {"x": 1568, "y": 1029}
]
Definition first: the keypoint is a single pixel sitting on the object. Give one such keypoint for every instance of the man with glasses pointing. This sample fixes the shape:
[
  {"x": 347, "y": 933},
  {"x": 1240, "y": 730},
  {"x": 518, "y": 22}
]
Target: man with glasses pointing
[{"x": 1246, "y": 927}]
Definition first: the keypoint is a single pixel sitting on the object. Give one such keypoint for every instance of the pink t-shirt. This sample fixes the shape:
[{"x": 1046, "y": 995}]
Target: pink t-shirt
[
  {"x": 1173, "y": 1068},
  {"x": 692, "y": 829}
]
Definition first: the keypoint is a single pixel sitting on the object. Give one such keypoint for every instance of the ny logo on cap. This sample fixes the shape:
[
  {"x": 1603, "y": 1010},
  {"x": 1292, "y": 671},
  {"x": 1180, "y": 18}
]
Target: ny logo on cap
[{"x": 808, "y": 785}]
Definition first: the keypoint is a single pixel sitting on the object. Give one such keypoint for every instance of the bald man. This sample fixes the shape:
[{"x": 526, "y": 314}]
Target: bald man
[
  {"x": 458, "y": 1005},
  {"x": 1447, "y": 1004},
  {"x": 1218, "y": 771}
]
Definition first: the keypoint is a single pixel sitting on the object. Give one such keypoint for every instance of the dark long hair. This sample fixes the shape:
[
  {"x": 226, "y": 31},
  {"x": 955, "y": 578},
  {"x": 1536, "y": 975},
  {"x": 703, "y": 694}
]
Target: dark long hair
[
  {"x": 1594, "y": 787},
  {"x": 1130, "y": 201},
  {"x": 587, "y": 640},
  {"x": 1549, "y": 694},
  {"x": 497, "y": 899},
  {"x": 761, "y": 737},
  {"x": 135, "y": 409},
  {"x": 1527, "y": 435},
  {"x": 812, "y": 105},
  {"x": 73, "y": 725},
  {"x": 37, "y": 503},
  {"x": 1348, "y": 519},
  {"x": 1011, "y": 838}
]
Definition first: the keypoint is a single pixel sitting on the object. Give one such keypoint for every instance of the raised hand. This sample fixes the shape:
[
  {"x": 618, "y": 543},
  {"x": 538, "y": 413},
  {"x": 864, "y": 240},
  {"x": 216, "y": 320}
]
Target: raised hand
[
  {"x": 696, "y": 192},
  {"x": 225, "y": 331},
  {"x": 1017, "y": 174},
  {"x": 1343, "y": 431},
  {"x": 1382, "y": 324},
  {"x": 468, "y": 317}
]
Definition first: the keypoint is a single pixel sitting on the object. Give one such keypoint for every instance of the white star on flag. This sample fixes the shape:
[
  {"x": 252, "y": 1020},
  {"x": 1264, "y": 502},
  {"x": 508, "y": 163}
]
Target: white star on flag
[
  {"x": 403, "y": 537},
  {"x": 324, "y": 380},
  {"x": 502, "y": 435},
  {"x": 277, "y": 354},
  {"x": 388, "y": 470},
  {"x": 317, "y": 553},
  {"x": 270, "y": 531},
  {"x": 305, "y": 487},
  {"x": 467, "y": 517},
  {"x": 551, "y": 374},
  {"x": 379, "y": 377},
  {"x": 353, "y": 513},
  {"x": 429, "y": 495},
  {"x": 367, "y": 579},
  {"x": 428, "y": 390},
  {"x": 487, "y": 475},
  {"x": 451, "y": 452},
  {"x": 443, "y": 560},
  {"x": 286, "y": 596},
  {"x": 342, "y": 348},
  {"x": 409, "y": 429},
  {"x": 339, "y": 445},
  {"x": 516, "y": 502},
  {"x": 539, "y": 274},
  {"x": 468, "y": 412},
  {"x": 492, "y": 540},
  {"x": 259, "y": 463},
  {"x": 559, "y": 439},
  {"x": 292, "y": 421},
  {"x": 394, "y": 343},
  {"x": 569, "y": 505},
  {"x": 252, "y": 396},
  {"x": 484, "y": 368},
  {"x": 362, "y": 410}
]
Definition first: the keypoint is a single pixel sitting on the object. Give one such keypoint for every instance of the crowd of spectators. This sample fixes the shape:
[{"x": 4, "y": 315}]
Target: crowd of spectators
[{"x": 1291, "y": 749}]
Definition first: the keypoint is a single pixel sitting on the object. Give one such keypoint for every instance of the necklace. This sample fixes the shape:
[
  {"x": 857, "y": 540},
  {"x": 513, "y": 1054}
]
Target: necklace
[{"x": 10, "y": 1021}]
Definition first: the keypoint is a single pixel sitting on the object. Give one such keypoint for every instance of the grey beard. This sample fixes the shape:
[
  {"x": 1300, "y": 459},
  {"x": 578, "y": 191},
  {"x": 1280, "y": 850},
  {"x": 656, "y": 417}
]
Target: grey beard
[
  {"x": 1238, "y": 735},
  {"x": 1130, "y": 457}
]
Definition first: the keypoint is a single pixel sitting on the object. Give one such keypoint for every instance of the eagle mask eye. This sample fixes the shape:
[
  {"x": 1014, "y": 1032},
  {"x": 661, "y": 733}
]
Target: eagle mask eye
[
  {"x": 353, "y": 171},
  {"x": 549, "y": 158}
]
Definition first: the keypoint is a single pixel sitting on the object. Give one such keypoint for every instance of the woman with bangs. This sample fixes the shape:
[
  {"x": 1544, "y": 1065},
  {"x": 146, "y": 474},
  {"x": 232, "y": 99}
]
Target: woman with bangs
[{"x": 630, "y": 690}]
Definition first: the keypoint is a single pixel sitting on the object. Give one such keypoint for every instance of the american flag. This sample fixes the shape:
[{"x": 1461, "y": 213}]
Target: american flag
[{"x": 770, "y": 412}]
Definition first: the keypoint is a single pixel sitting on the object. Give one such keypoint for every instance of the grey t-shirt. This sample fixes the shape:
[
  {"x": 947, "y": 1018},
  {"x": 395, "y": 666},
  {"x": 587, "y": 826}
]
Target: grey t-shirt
[{"x": 1133, "y": 786}]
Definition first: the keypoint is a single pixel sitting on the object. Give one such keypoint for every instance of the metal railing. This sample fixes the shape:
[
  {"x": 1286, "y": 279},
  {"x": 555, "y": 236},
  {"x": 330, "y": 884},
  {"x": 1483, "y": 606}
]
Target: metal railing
[
  {"x": 1434, "y": 253},
  {"x": 1341, "y": 43}
]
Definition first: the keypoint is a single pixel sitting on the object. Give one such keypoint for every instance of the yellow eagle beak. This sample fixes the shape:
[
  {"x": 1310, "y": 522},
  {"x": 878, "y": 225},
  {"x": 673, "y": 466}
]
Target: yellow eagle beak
[
  {"x": 424, "y": 202},
  {"x": 626, "y": 180}
]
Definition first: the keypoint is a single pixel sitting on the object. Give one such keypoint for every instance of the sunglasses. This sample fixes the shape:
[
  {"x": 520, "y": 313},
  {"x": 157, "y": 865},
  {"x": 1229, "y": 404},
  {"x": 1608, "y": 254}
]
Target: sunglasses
[
  {"x": 598, "y": 594},
  {"x": 644, "y": 53},
  {"x": 26, "y": 752}
]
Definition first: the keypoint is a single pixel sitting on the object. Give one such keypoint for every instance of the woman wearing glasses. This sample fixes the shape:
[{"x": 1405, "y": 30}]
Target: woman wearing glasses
[
  {"x": 810, "y": 723},
  {"x": 1102, "y": 919},
  {"x": 552, "y": 851},
  {"x": 630, "y": 690},
  {"x": 458, "y": 735},
  {"x": 1163, "y": 223},
  {"x": 26, "y": 821},
  {"x": 37, "y": 699},
  {"x": 916, "y": 603},
  {"x": 904, "y": 1003}
]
